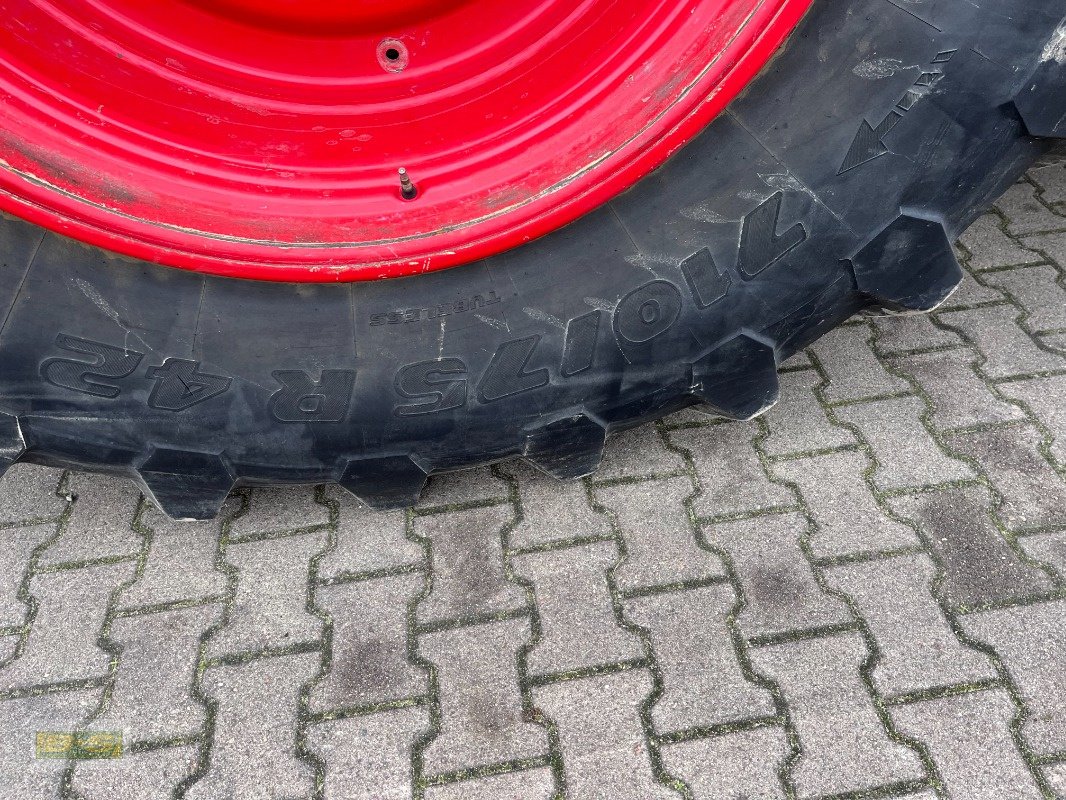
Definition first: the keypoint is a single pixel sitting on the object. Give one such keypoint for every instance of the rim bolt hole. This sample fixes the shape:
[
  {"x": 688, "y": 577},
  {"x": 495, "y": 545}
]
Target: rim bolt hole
[{"x": 392, "y": 55}]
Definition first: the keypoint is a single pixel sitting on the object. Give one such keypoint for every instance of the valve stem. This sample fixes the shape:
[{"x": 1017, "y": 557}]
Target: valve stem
[{"x": 408, "y": 190}]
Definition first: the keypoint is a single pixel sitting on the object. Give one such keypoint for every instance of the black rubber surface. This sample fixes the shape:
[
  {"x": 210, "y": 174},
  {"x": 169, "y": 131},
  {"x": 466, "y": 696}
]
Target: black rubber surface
[{"x": 836, "y": 183}]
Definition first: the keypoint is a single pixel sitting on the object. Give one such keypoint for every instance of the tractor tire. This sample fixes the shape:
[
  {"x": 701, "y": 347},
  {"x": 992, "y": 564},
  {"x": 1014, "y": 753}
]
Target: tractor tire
[{"x": 834, "y": 184}]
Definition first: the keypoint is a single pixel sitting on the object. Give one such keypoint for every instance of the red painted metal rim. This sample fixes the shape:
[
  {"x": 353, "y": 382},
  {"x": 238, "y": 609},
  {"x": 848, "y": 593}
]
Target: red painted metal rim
[{"x": 263, "y": 138}]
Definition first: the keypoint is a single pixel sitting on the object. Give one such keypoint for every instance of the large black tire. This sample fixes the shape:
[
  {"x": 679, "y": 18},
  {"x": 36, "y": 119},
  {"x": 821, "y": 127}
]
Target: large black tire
[{"x": 836, "y": 183}]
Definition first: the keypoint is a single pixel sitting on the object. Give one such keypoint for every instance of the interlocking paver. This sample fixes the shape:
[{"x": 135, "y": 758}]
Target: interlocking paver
[
  {"x": 741, "y": 764},
  {"x": 16, "y": 548},
  {"x": 845, "y": 747},
  {"x": 23, "y": 777},
  {"x": 637, "y": 452},
  {"x": 369, "y": 662},
  {"x": 1030, "y": 641},
  {"x": 181, "y": 563},
  {"x": 481, "y": 716},
  {"x": 460, "y": 488},
  {"x": 269, "y": 608},
  {"x": 853, "y": 369},
  {"x": 704, "y": 684},
  {"x": 979, "y": 565},
  {"x": 100, "y": 522},
  {"x": 971, "y": 293},
  {"x": 1054, "y": 244},
  {"x": 969, "y": 739},
  {"x": 28, "y": 492},
  {"x": 660, "y": 543},
  {"x": 1033, "y": 493},
  {"x": 367, "y": 541},
  {"x": 532, "y": 784},
  {"x": 781, "y": 593},
  {"x": 136, "y": 776},
  {"x": 1039, "y": 291},
  {"x": 899, "y": 334},
  {"x": 918, "y": 649},
  {"x": 468, "y": 572},
  {"x": 990, "y": 247},
  {"x": 151, "y": 697},
  {"x": 959, "y": 397},
  {"x": 798, "y": 423},
  {"x": 1044, "y": 397},
  {"x": 906, "y": 453},
  {"x": 605, "y": 753},
  {"x": 1051, "y": 178},
  {"x": 1049, "y": 548},
  {"x": 369, "y": 757},
  {"x": 253, "y": 751},
  {"x": 578, "y": 625},
  {"x": 62, "y": 642},
  {"x": 1024, "y": 212},
  {"x": 279, "y": 509},
  {"x": 729, "y": 471},
  {"x": 1008, "y": 350},
  {"x": 552, "y": 510},
  {"x": 848, "y": 518}
]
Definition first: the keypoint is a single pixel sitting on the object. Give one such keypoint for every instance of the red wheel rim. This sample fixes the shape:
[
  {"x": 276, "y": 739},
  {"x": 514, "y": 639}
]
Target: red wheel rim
[{"x": 263, "y": 138}]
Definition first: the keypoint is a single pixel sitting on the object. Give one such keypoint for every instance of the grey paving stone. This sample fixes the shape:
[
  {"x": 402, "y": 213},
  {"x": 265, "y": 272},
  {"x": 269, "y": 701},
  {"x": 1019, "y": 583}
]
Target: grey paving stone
[
  {"x": 990, "y": 247},
  {"x": 703, "y": 681},
  {"x": 16, "y": 548},
  {"x": 903, "y": 332},
  {"x": 62, "y": 642},
  {"x": 729, "y": 471},
  {"x": 1029, "y": 639},
  {"x": 636, "y": 453},
  {"x": 605, "y": 752},
  {"x": 971, "y": 293},
  {"x": 367, "y": 540},
  {"x": 23, "y": 777},
  {"x": 1040, "y": 293},
  {"x": 781, "y": 593},
  {"x": 844, "y": 746},
  {"x": 180, "y": 565},
  {"x": 1044, "y": 396},
  {"x": 1050, "y": 548},
  {"x": 253, "y": 752},
  {"x": 660, "y": 543},
  {"x": 959, "y": 397},
  {"x": 906, "y": 453},
  {"x": 369, "y": 662},
  {"x": 531, "y": 784},
  {"x": 743, "y": 764},
  {"x": 552, "y": 510},
  {"x": 853, "y": 369},
  {"x": 1055, "y": 778},
  {"x": 1052, "y": 179},
  {"x": 1007, "y": 348},
  {"x": 980, "y": 567},
  {"x": 481, "y": 715},
  {"x": 458, "y": 488},
  {"x": 1054, "y": 244},
  {"x": 152, "y": 691},
  {"x": 1025, "y": 213},
  {"x": 269, "y": 607},
  {"x": 798, "y": 423},
  {"x": 279, "y": 509},
  {"x": 1034, "y": 494},
  {"x": 848, "y": 518},
  {"x": 100, "y": 524},
  {"x": 369, "y": 757},
  {"x": 135, "y": 776},
  {"x": 28, "y": 493},
  {"x": 578, "y": 625},
  {"x": 970, "y": 742},
  {"x": 918, "y": 649},
  {"x": 468, "y": 575}
]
